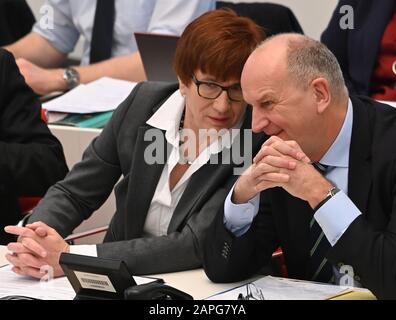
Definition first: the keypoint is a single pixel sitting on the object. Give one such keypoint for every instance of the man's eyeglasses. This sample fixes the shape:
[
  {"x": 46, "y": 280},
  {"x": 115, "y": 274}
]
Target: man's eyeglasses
[{"x": 211, "y": 90}]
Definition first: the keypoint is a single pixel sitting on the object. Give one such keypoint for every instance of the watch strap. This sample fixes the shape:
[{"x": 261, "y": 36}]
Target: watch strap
[{"x": 330, "y": 194}]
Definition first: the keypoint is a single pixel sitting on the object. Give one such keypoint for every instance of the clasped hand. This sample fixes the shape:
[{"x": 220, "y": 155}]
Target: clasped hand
[
  {"x": 38, "y": 245},
  {"x": 282, "y": 164}
]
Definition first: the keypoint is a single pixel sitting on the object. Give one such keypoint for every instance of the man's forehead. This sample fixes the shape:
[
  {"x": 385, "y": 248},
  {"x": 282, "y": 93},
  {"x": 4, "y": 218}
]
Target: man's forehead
[{"x": 265, "y": 67}]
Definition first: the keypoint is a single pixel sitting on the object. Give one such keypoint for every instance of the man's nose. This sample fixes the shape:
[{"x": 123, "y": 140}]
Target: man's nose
[{"x": 259, "y": 119}]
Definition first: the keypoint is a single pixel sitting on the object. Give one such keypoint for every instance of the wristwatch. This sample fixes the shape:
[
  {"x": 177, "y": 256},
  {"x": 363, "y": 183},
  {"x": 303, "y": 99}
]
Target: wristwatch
[
  {"x": 71, "y": 77},
  {"x": 331, "y": 193}
]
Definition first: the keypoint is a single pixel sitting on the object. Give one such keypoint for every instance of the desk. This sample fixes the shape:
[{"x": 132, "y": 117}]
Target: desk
[
  {"x": 197, "y": 284},
  {"x": 74, "y": 142},
  {"x": 194, "y": 282}
]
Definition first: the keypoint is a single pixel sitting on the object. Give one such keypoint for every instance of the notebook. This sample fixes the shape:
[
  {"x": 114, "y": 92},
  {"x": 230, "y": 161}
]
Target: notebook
[{"x": 157, "y": 52}]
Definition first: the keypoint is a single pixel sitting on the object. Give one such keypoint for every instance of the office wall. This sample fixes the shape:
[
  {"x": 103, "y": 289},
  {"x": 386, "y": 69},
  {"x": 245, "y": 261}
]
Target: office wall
[{"x": 313, "y": 15}]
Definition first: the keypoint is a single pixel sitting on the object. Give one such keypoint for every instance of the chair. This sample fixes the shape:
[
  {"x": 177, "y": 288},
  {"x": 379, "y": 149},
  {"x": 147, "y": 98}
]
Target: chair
[
  {"x": 274, "y": 18},
  {"x": 27, "y": 204},
  {"x": 278, "y": 264}
]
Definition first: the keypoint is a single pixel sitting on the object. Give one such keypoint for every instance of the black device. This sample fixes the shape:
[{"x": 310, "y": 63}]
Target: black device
[
  {"x": 157, "y": 52},
  {"x": 96, "y": 278},
  {"x": 155, "y": 291}
]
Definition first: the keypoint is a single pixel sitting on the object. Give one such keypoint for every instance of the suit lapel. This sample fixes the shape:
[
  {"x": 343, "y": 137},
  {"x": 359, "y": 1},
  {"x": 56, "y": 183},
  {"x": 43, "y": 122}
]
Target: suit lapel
[
  {"x": 204, "y": 181},
  {"x": 142, "y": 183},
  {"x": 359, "y": 176},
  {"x": 211, "y": 176}
]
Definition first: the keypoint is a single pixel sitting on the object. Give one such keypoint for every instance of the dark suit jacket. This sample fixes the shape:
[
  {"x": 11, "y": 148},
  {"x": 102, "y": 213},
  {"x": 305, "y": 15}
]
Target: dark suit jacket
[
  {"x": 119, "y": 150},
  {"x": 16, "y": 20},
  {"x": 369, "y": 243},
  {"x": 357, "y": 49},
  {"x": 31, "y": 157}
]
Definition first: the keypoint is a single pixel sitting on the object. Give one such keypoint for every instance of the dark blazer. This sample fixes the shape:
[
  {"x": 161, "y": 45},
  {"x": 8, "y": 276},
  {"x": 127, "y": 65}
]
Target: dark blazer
[
  {"x": 119, "y": 150},
  {"x": 16, "y": 20},
  {"x": 357, "y": 49},
  {"x": 31, "y": 157},
  {"x": 369, "y": 243}
]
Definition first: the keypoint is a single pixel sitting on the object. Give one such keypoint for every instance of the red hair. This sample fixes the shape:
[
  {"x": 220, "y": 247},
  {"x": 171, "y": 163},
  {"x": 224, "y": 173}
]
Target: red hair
[{"x": 217, "y": 43}]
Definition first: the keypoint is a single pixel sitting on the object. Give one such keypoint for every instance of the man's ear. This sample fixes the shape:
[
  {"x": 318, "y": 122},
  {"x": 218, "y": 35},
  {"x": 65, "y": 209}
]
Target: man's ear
[{"x": 322, "y": 94}]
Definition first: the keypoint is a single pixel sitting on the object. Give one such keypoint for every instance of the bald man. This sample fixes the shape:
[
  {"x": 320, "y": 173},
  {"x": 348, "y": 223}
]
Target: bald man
[{"x": 323, "y": 185}]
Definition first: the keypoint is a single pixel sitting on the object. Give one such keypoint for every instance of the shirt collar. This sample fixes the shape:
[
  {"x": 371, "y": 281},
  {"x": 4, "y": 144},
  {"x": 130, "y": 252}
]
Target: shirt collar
[
  {"x": 168, "y": 117},
  {"x": 338, "y": 153}
]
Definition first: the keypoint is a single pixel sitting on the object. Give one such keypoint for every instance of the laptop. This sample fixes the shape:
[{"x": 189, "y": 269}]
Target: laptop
[{"x": 157, "y": 52}]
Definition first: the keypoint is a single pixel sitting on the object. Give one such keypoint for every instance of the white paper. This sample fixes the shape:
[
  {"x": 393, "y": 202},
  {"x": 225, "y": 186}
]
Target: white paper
[
  {"x": 55, "y": 116},
  {"x": 13, "y": 284},
  {"x": 273, "y": 288},
  {"x": 104, "y": 94},
  {"x": 143, "y": 280}
]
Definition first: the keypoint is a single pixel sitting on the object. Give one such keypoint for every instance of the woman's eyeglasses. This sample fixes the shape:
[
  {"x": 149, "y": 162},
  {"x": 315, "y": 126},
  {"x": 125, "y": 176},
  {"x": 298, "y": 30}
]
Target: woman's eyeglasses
[{"x": 211, "y": 90}]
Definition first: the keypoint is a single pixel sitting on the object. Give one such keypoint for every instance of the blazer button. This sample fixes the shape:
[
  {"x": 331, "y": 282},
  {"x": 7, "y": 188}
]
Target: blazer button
[
  {"x": 357, "y": 278},
  {"x": 340, "y": 264}
]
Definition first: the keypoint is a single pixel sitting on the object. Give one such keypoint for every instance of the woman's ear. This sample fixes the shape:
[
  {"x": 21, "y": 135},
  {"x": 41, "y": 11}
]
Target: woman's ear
[{"x": 182, "y": 87}]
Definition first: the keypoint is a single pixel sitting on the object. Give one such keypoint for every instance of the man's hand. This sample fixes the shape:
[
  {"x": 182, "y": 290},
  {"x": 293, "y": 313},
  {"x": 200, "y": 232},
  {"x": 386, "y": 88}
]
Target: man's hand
[
  {"x": 307, "y": 184},
  {"x": 261, "y": 176},
  {"x": 282, "y": 164},
  {"x": 304, "y": 182},
  {"x": 38, "y": 245},
  {"x": 42, "y": 81},
  {"x": 266, "y": 170},
  {"x": 275, "y": 146}
]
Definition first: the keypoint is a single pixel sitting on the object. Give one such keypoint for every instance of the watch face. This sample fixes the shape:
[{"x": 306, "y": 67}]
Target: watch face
[
  {"x": 72, "y": 78},
  {"x": 334, "y": 191}
]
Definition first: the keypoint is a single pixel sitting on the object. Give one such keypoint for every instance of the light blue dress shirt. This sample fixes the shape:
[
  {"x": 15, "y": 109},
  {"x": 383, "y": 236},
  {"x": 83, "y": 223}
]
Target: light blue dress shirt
[
  {"x": 335, "y": 216},
  {"x": 74, "y": 18}
]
